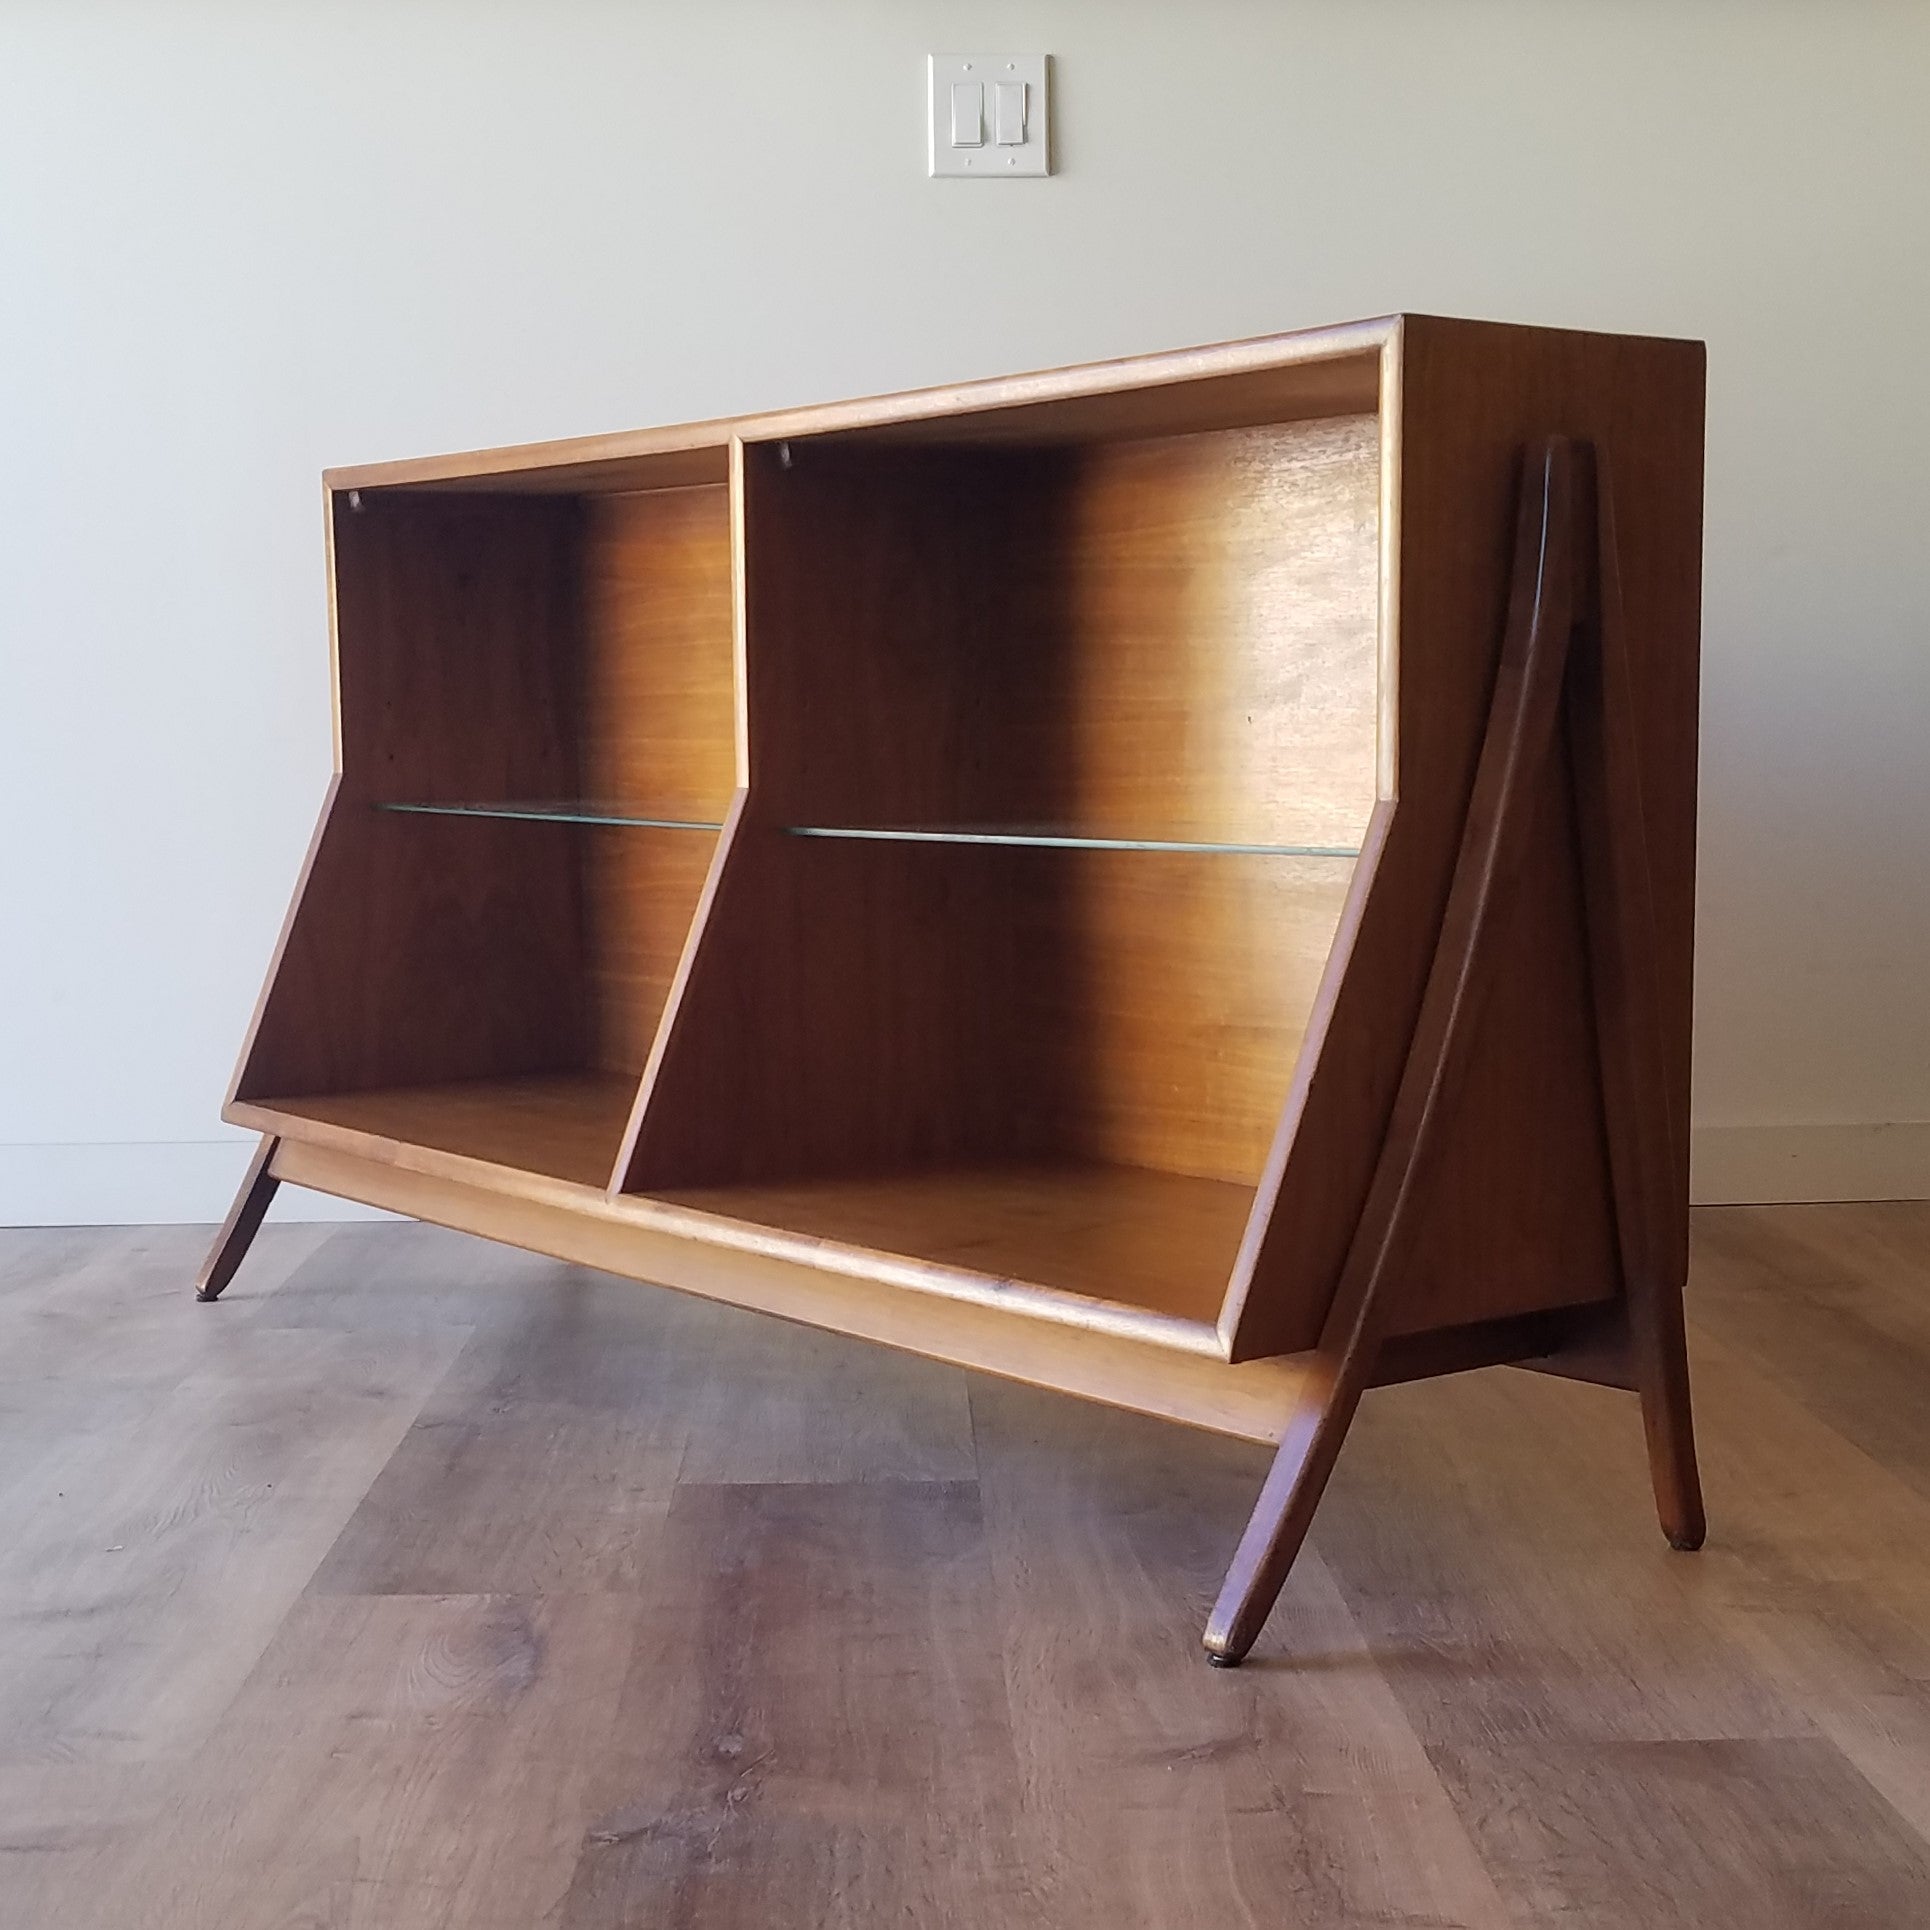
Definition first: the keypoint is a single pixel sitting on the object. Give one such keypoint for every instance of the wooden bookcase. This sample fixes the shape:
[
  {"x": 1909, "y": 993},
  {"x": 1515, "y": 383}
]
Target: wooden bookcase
[{"x": 1169, "y": 880}]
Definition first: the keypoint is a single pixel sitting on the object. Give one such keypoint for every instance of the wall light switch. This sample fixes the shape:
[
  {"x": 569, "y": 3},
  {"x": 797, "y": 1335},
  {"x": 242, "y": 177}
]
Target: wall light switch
[
  {"x": 1013, "y": 87},
  {"x": 968, "y": 114},
  {"x": 1010, "y": 116}
]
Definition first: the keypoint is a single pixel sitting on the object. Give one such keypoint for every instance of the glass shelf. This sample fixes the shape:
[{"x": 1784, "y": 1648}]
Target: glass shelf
[
  {"x": 1045, "y": 837},
  {"x": 567, "y": 811},
  {"x": 1062, "y": 839}
]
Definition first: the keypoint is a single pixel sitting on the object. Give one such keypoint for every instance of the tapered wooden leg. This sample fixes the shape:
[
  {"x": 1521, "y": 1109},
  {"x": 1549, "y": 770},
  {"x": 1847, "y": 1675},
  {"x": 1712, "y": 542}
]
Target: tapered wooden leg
[
  {"x": 1644, "y": 1135},
  {"x": 1662, "y": 1378},
  {"x": 1284, "y": 1511},
  {"x": 1519, "y": 739},
  {"x": 238, "y": 1230}
]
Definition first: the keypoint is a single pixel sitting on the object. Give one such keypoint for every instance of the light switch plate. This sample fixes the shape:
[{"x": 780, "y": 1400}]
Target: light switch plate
[{"x": 994, "y": 156}]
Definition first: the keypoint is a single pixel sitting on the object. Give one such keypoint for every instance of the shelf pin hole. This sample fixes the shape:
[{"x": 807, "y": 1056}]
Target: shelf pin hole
[
  {"x": 355, "y": 501},
  {"x": 784, "y": 455}
]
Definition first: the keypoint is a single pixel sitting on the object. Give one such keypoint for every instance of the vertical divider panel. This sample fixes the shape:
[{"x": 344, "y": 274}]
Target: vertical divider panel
[
  {"x": 842, "y": 1001},
  {"x": 695, "y": 958}
]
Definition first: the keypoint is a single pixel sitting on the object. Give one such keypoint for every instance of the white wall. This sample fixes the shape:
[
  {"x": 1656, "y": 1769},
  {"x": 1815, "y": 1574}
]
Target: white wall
[{"x": 241, "y": 241}]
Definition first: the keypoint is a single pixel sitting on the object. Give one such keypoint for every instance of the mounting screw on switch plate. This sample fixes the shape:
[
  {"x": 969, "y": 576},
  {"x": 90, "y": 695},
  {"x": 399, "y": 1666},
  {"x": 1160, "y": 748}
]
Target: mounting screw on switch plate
[{"x": 989, "y": 116}]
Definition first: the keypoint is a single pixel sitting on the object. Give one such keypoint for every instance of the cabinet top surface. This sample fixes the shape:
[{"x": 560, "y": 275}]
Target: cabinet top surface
[{"x": 1318, "y": 371}]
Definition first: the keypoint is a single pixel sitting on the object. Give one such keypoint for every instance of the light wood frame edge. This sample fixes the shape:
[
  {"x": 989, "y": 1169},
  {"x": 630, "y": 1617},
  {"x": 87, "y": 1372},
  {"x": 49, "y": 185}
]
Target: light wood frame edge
[
  {"x": 1056, "y": 1307},
  {"x": 1373, "y": 842},
  {"x": 909, "y": 405},
  {"x": 1250, "y": 1402}
]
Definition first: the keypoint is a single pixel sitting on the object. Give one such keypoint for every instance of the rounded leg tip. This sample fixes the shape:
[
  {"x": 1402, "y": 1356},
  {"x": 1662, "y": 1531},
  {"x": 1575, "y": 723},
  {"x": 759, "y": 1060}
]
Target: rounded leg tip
[
  {"x": 205, "y": 1297},
  {"x": 1685, "y": 1541},
  {"x": 1219, "y": 1661}
]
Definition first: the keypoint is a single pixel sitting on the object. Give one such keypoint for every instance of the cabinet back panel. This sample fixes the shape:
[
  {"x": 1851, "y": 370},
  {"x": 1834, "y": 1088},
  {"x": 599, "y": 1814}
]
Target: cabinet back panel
[
  {"x": 862, "y": 1007},
  {"x": 500, "y": 649},
  {"x": 655, "y": 697},
  {"x": 1174, "y": 638},
  {"x": 656, "y": 727},
  {"x": 423, "y": 948},
  {"x": 1171, "y": 639}
]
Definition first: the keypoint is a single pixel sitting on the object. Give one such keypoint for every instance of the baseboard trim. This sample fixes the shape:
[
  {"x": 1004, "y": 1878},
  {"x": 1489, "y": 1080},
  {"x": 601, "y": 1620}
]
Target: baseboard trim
[
  {"x": 1785, "y": 1165},
  {"x": 155, "y": 1182}
]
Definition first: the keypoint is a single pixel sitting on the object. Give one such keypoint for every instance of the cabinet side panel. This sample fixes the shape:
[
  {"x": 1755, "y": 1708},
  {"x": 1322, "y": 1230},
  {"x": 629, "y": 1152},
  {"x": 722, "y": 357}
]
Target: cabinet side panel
[
  {"x": 656, "y": 730},
  {"x": 439, "y": 948},
  {"x": 1520, "y": 1216}
]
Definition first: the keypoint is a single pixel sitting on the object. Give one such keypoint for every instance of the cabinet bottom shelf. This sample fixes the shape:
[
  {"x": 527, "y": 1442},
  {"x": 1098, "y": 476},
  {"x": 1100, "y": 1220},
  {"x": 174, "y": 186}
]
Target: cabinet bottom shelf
[
  {"x": 562, "y": 1125},
  {"x": 1119, "y": 1248},
  {"x": 1161, "y": 1243}
]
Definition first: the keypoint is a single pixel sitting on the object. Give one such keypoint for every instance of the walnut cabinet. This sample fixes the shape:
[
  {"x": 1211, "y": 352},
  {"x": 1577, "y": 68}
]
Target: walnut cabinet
[{"x": 1170, "y": 880}]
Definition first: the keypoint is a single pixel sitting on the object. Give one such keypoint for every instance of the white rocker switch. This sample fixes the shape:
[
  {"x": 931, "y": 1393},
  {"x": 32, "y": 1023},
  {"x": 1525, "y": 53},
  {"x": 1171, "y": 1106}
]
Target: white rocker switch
[
  {"x": 968, "y": 114},
  {"x": 989, "y": 115},
  {"x": 1008, "y": 118}
]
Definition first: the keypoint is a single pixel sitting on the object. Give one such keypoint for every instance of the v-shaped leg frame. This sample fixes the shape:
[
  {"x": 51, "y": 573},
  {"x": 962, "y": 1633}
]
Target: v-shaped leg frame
[{"x": 1563, "y": 635}]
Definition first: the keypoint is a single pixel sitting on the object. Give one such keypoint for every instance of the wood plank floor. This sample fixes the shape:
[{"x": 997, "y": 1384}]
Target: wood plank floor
[{"x": 423, "y": 1583}]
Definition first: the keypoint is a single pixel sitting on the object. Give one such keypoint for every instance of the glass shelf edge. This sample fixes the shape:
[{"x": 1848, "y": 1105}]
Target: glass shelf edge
[
  {"x": 1067, "y": 841},
  {"x": 556, "y": 814},
  {"x": 611, "y": 814}
]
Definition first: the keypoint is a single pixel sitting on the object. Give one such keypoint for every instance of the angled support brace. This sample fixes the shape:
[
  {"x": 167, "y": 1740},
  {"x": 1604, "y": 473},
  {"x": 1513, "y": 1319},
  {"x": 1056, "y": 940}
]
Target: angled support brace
[
  {"x": 1644, "y": 1137},
  {"x": 1544, "y": 602},
  {"x": 258, "y": 1187}
]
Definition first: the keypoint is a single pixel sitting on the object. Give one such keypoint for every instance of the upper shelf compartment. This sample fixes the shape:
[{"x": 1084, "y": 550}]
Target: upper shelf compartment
[
  {"x": 1170, "y": 642},
  {"x": 498, "y": 650},
  {"x": 458, "y": 949}
]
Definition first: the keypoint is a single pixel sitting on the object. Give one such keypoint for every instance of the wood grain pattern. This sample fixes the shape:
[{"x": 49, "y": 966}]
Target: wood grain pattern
[
  {"x": 935, "y": 1667},
  {"x": 1643, "y": 1109},
  {"x": 564, "y": 1125},
  {"x": 498, "y": 649},
  {"x": 1146, "y": 1239},
  {"x": 1546, "y": 598},
  {"x": 418, "y": 945},
  {"x": 1521, "y": 1211},
  {"x": 1156, "y": 1242},
  {"x": 1248, "y": 595},
  {"x": 1166, "y": 639},
  {"x": 956, "y": 1003},
  {"x": 655, "y": 700},
  {"x": 656, "y": 705},
  {"x": 1163, "y": 1368},
  {"x": 1271, "y": 378}
]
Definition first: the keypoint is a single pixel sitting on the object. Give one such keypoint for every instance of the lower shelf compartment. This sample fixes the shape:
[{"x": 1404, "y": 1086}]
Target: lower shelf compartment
[
  {"x": 1120, "y": 1248},
  {"x": 1252, "y": 1400},
  {"x": 563, "y": 1125},
  {"x": 1159, "y": 1243}
]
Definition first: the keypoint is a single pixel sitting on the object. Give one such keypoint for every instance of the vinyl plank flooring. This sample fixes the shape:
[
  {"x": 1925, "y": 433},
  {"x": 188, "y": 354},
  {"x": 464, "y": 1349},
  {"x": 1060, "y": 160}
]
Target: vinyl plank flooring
[
  {"x": 815, "y": 1729},
  {"x": 400, "y": 1278},
  {"x": 541, "y": 1457},
  {"x": 524, "y": 1499},
  {"x": 1165, "y": 1793},
  {"x": 68, "y": 1830},
  {"x": 399, "y": 1760},
  {"x": 1496, "y": 1540},
  {"x": 783, "y": 1403},
  {"x": 158, "y": 1518},
  {"x": 1815, "y": 1305},
  {"x": 1724, "y": 1835},
  {"x": 422, "y": 1583}
]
